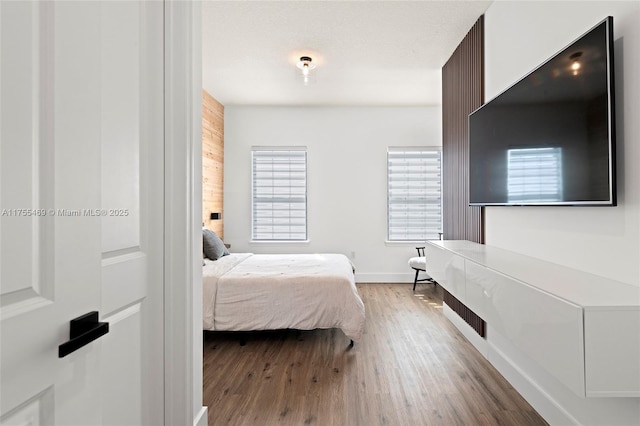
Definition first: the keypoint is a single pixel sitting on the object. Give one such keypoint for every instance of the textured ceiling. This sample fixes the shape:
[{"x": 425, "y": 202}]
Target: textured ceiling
[{"x": 367, "y": 52}]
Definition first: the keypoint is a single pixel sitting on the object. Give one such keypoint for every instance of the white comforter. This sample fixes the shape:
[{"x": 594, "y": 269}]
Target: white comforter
[{"x": 247, "y": 291}]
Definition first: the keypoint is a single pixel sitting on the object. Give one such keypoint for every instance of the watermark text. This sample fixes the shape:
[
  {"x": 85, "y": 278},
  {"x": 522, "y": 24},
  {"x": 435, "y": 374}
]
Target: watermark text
[{"x": 64, "y": 212}]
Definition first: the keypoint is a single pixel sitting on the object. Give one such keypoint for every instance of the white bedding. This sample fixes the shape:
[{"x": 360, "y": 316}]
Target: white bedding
[{"x": 245, "y": 291}]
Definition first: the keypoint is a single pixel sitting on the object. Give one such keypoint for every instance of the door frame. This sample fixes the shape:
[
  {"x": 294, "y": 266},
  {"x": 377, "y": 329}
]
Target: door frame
[{"x": 183, "y": 214}]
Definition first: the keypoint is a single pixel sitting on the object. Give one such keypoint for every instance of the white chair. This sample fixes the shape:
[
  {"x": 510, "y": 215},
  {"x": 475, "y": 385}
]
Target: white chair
[{"x": 419, "y": 263}]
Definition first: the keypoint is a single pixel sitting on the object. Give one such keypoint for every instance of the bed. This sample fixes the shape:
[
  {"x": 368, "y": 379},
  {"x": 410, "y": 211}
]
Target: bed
[{"x": 246, "y": 292}]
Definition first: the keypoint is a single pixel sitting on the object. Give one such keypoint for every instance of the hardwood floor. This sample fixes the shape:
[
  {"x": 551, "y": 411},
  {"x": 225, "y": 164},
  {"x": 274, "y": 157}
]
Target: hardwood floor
[{"x": 412, "y": 367}]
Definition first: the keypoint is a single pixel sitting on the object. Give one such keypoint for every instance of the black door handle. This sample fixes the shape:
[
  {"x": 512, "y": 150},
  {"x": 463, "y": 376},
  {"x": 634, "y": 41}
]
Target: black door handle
[{"x": 84, "y": 330}]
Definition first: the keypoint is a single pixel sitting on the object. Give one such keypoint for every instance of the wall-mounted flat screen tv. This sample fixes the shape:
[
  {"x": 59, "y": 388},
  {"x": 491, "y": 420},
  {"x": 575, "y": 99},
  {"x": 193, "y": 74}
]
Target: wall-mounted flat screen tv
[{"x": 550, "y": 138}]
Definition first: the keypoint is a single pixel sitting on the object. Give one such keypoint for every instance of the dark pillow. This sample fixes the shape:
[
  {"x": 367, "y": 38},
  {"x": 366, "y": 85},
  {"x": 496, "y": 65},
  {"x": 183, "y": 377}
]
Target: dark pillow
[{"x": 212, "y": 245}]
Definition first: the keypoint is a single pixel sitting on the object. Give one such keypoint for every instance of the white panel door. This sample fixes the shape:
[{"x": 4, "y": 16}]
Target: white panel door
[{"x": 81, "y": 172}]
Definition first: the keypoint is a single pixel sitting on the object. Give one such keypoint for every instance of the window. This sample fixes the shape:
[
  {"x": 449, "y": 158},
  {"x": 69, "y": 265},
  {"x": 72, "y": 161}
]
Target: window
[
  {"x": 414, "y": 201},
  {"x": 534, "y": 175},
  {"x": 279, "y": 194}
]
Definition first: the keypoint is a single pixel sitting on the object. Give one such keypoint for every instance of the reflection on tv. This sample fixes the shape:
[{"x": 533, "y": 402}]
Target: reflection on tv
[{"x": 534, "y": 175}]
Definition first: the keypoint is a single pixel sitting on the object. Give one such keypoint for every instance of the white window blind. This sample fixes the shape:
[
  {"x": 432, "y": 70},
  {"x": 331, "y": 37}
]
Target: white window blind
[
  {"x": 534, "y": 175},
  {"x": 414, "y": 197},
  {"x": 279, "y": 207}
]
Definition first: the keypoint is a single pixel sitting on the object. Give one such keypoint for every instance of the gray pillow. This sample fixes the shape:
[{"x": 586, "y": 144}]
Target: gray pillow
[{"x": 212, "y": 245}]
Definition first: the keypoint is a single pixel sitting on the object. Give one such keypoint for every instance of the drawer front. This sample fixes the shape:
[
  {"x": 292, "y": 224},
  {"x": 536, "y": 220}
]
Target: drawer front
[
  {"x": 478, "y": 284},
  {"x": 612, "y": 352},
  {"x": 545, "y": 328},
  {"x": 447, "y": 269}
]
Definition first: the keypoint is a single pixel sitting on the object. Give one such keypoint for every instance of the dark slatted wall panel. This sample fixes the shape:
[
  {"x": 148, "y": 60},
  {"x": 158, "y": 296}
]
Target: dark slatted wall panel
[
  {"x": 462, "y": 92},
  {"x": 465, "y": 313}
]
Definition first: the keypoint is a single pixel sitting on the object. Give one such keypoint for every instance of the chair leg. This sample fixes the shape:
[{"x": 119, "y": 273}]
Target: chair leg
[{"x": 415, "y": 280}]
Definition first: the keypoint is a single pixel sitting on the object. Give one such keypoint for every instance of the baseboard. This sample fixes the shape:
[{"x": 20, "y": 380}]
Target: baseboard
[
  {"x": 385, "y": 278},
  {"x": 201, "y": 419}
]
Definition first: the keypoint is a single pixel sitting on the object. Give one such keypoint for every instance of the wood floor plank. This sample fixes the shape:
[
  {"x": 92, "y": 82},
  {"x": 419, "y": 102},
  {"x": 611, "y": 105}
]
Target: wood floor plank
[{"x": 412, "y": 367}]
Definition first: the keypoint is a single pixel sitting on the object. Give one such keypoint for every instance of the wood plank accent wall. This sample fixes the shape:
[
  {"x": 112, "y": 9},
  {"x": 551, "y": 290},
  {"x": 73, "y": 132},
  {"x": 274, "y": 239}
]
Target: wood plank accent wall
[
  {"x": 462, "y": 92},
  {"x": 212, "y": 162}
]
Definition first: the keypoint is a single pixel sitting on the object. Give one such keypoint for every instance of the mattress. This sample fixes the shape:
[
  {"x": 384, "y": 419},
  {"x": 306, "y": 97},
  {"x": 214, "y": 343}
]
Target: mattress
[{"x": 245, "y": 291}]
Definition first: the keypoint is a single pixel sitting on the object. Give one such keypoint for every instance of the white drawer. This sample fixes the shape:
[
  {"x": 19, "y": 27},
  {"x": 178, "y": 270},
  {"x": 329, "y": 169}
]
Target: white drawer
[
  {"x": 477, "y": 285},
  {"x": 612, "y": 352},
  {"x": 447, "y": 269},
  {"x": 547, "y": 329}
]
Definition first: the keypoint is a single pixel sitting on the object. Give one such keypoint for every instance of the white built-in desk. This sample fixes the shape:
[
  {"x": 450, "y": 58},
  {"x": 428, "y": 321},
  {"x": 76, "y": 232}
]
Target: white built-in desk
[{"x": 583, "y": 329}]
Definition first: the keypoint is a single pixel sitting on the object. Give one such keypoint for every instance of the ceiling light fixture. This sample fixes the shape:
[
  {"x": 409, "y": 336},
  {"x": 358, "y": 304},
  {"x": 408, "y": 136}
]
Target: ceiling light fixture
[{"x": 306, "y": 65}]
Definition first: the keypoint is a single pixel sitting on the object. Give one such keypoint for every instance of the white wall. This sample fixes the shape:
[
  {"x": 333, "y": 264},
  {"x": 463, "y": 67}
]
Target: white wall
[
  {"x": 601, "y": 240},
  {"x": 605, "y": 240},
  {"x": 346, "y": 184}
]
